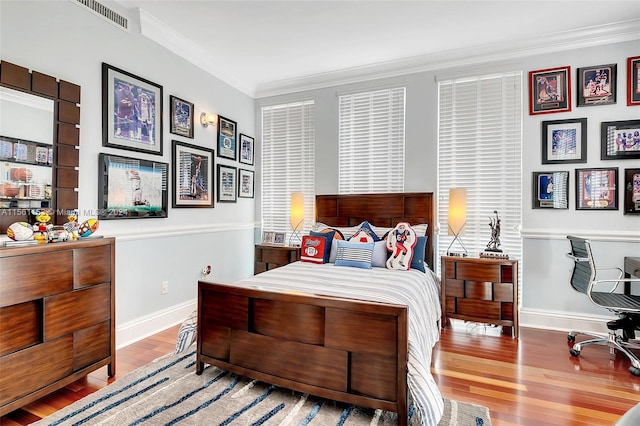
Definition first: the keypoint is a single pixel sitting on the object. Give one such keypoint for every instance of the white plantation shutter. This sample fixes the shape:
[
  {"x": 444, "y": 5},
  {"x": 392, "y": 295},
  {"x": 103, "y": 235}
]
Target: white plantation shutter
[
  {"x": 371, "y": 141},
  {"x": 480, "y": 148},
  {"x": 288, "y": 138}
]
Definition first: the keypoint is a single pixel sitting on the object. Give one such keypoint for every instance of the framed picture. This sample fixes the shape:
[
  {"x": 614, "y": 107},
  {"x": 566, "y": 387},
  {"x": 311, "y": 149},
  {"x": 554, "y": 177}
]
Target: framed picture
[
  {"x": 564, "y": 141},
  {"x": 596, "y": 189},
  {"x": 227, "y": 184},
  {"x": 550, "y": 90},
  {"x": 551, "y": 190},
  {"x": 267, "y": 237},
  {"x": 619, "y": 140},
  {"x": 181, "y": 116},
  {"x": 131, "y": 112},
  {"x": 245, "y": 188},
  {"x": 631, "y": 191},
  {"x": 246, "y": 149},
  {"x": 226, "y": 138},
  {"x": 597, "y": 85},
  {"x": 192, "y": 177},
  {"x": 131, "y": 188},
  {"x": 633, "y": 80},
  {"x": 278, "y": 238}
]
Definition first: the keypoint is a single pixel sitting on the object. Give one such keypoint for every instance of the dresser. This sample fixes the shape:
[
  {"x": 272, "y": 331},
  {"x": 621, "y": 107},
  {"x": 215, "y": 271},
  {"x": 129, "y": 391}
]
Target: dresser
[
  {"x": 480, "y": 290},
  {"x": 57, "y": 316},
  {"x": 269, "y": 257}
]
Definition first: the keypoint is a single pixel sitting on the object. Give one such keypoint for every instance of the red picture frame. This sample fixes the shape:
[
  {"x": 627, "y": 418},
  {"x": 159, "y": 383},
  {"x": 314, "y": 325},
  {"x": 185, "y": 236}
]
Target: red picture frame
[
  {"x": 633, "y": 81},
  {"x": 550, "y": 90}
]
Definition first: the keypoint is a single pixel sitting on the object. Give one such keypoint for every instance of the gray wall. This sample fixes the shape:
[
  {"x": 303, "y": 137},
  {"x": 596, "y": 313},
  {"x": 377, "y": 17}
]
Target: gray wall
[
  {"x": 63, "y": 40},
  {"x": 547, "y": 299}
]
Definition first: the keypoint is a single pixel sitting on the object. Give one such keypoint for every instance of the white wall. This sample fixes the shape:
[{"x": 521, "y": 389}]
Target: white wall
[
  {"x": 63, "y": 40},
  {"x": 547, "y": 299}
]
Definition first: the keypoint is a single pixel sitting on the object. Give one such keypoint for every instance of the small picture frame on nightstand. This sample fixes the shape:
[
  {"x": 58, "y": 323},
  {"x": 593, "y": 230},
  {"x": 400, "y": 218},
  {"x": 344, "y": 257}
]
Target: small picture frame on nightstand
[
  {"x": 278, "y": 238},
  {"x": 267, "y": 237}
]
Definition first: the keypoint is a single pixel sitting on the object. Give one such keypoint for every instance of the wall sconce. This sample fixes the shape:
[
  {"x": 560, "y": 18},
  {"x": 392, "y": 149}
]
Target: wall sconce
[
  {"x": 296, "y": 218},
  {"x": 457, "y": 218},
  {"x": 207, "y": 119}
]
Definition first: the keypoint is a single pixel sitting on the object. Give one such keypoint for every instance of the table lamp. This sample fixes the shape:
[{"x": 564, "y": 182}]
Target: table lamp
[{"x": 457, "y": 218}]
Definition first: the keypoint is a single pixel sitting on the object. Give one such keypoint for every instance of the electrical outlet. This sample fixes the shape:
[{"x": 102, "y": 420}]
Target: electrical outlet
[{"x": 164, "y": 287}]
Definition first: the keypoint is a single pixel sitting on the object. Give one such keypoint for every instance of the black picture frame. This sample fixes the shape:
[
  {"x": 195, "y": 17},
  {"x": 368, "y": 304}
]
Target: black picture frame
[
  {"x": 564, "y": 141},
  {"x": 597, "y": 188},
  {"x": 597, "y": 85},
  {"x": 619, "y": 140},
  {"x": 131, "y": 188},
  {"x": 246, "y": 149},
  {"x": 227, "y": 131},
  {"x": 546, "y": 198},
  {"x": 631, "y": 191},
  {"x": 181, "y": 117},
  {"x": 550, "y": 90},
  {"x": 227, "y": 184},
  {"x": 192, "y": 178},
  {"x": 245, "y": 183},
  {"x": 131, "y": 111}
]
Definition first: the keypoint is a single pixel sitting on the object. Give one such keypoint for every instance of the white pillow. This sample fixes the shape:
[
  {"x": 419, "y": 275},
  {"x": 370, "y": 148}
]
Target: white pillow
[{"x": 379, "y": 257}]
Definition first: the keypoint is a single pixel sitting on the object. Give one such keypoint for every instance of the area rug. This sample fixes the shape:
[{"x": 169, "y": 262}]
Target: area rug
[{"x": 167, "y": 392}]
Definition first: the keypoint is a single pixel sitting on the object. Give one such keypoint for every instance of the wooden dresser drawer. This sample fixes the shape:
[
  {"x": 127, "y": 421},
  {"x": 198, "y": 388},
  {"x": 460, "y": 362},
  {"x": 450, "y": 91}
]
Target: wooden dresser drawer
[
  {"x": 20, "y": 326},
  {"x": 45, "y": 274},
  {"x": 91, "y": 266}
]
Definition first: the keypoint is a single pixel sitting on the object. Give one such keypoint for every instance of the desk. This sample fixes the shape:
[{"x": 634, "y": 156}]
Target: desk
[{"x": 631, "y": 269}]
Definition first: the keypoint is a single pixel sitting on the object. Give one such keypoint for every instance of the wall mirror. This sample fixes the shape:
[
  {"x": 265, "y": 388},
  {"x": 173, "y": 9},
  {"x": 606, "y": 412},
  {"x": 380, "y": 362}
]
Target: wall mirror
[
  {"x": 39, "y": 141},
  {"x": 26, "y": 150}
]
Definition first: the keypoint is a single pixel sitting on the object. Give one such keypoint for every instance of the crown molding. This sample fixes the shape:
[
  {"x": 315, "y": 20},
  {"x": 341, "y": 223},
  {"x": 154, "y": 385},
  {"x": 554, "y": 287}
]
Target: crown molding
[{"x": 586, "y": 37}]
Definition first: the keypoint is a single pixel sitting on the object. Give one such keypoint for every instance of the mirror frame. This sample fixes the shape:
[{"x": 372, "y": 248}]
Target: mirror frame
[{"x": 66, "y": 138}]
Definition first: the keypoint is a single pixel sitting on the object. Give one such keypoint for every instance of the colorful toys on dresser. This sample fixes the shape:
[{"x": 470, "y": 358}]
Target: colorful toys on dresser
[{"x": 42, "y": 231}]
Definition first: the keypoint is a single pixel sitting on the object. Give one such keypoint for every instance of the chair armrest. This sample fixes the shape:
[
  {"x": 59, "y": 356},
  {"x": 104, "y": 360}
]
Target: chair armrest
[{"x": 617, "y": 282}]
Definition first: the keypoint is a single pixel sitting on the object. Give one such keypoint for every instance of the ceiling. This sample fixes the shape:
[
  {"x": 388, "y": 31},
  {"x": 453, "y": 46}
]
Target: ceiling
[{"x": 265, "y": 47}]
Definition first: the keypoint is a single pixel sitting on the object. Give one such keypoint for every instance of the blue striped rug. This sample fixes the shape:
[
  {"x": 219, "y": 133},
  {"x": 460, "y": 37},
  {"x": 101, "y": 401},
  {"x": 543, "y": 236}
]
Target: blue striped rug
[{"x": 168, "y": 392}]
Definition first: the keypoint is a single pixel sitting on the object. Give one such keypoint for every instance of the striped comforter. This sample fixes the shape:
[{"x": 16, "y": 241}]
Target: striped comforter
[{"x": 418, "y": 290}]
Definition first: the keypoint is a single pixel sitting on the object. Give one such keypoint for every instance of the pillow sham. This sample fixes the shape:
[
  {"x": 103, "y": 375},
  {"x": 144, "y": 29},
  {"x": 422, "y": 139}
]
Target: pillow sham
[
  {"x": 364, "y": 234},
  {"x": 357, "y": 255},
  {"x": 327, "y": 235},
  {"x": 417, "y": 262},
  {"x": 380, "y": 254},
  {"x": 313, "y": 249},
  {"x": 401, "y": 242}
]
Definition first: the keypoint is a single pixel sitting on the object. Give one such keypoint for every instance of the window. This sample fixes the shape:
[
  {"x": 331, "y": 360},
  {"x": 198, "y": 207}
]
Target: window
[
  {"x": 371, "y": 141},
  {"x": 480, "y": 148},
  {"x": 288, "y": 139}
]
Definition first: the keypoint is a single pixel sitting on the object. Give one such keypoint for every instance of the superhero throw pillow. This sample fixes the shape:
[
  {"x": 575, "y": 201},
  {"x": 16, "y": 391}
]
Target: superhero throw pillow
[
  {"x": 313, "y": 249},
  {"x": 401, "y": 242}
]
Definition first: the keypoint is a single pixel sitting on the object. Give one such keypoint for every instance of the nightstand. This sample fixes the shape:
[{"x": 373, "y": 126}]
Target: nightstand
[
  {"x": 480, "y": 290},
  {"x": 270, "y": 257}
]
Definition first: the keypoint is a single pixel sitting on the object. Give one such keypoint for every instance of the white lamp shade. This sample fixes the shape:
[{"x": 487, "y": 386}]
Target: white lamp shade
[
  {"x": 457, "y": 210},
  {"x": 297, "y": 209}
]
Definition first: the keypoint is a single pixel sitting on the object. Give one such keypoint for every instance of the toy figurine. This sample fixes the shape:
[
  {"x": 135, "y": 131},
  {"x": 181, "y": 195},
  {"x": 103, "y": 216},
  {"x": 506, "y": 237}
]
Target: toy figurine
[
  {"x": 72, "y": 226},
  {"x": 42, "y": 226}
]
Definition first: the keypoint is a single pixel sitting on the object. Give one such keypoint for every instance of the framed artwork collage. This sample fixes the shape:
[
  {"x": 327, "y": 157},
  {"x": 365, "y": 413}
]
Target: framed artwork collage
[
  {"x": 133, "y": 188},
  {"x": 565, "y": 141}
]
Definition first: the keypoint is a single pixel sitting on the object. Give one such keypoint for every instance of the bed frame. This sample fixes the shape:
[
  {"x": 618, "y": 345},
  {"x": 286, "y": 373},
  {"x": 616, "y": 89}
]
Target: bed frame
[{"x": 346, "y": 350}]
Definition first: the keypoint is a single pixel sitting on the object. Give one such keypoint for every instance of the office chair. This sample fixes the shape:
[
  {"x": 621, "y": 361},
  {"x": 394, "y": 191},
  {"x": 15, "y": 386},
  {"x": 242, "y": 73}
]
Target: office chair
[{"x": 627, "y": 307}]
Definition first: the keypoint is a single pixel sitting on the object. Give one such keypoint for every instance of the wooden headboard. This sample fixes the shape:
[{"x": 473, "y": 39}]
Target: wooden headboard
[{"x": 384, "y": 210}]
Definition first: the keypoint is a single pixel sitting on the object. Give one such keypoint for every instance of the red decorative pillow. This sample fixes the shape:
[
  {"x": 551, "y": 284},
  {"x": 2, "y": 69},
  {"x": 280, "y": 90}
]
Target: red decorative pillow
[{"x": 313, "y": 249}]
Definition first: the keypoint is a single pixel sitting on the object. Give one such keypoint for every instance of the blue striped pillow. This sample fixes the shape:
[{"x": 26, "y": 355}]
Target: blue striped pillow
[{"x": 357, "y": 255}]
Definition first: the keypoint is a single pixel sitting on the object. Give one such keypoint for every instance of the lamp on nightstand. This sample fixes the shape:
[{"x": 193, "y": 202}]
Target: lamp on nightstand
[
  {"x": 457, "y": 218},
  {"x": 296, "y": 218}
]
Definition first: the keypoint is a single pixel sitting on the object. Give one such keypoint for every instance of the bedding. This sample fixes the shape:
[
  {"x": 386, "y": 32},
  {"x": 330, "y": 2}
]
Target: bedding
[{"x": 413, "y": 288}]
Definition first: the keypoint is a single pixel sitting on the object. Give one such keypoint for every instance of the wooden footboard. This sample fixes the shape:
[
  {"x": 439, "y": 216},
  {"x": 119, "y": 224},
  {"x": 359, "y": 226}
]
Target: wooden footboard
[{"x": 345, "y": 350}]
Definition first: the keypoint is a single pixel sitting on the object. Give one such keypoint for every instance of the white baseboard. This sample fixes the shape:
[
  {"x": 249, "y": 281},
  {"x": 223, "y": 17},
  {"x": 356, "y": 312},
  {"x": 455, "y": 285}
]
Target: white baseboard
[
  {"x": 149, "y": 325},
  {"x": 563, "y": 321}
]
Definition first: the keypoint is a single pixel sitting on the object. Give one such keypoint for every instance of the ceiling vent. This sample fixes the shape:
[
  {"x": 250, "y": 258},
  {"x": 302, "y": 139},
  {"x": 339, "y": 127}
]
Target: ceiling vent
[{"x": 104, "y": 12}]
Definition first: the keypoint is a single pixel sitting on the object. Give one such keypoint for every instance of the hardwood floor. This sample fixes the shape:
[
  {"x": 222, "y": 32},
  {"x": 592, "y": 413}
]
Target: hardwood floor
[{"x": 529, "y": 381}]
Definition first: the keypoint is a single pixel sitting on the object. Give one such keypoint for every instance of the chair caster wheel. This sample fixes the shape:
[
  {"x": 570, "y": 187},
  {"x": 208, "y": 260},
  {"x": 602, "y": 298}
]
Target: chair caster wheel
[
  {"x": 571, "y": 338},
  {"x": 635, "y": 371},
  {"x": 574, "y": 352}
]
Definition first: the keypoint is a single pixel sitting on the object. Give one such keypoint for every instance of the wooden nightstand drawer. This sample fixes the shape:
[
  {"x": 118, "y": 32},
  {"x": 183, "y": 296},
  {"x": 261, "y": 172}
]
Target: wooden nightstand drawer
[
  {"x": 480, "y": 290},
  {"x": 270, "y": 257}
]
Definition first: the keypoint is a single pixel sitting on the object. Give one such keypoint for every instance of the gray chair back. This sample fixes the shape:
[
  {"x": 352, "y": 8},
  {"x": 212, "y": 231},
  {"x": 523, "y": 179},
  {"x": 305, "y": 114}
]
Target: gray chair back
[{"x": 584, "y": 270}]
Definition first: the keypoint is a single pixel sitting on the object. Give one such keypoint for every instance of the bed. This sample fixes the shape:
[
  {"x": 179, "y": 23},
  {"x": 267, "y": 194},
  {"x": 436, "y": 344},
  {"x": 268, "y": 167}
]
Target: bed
[{"x": 358, "y": 336}]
